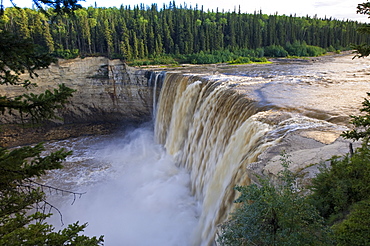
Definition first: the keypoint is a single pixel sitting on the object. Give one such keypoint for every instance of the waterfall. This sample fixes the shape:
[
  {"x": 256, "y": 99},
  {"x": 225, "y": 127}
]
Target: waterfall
[
  {"x": 155, "y": 81},
  {"x": 213, "y": 131},
  {"x": 175, "y": 185}
]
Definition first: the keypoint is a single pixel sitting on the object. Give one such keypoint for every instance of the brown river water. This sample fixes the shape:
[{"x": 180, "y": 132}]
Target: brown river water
[{"x": 169, "y": 182}]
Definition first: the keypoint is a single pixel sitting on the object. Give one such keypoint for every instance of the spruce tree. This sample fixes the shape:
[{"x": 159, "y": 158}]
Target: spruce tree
[
  {"x": 363, "y": 50},
  {"x": 19, "y": 192}
]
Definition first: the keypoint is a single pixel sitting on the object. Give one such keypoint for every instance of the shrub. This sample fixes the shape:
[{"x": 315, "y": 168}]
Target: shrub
[
  {"x": 315, "y": 50},
  {"x": 202, "y": 58},
  {"x": 345, "y": 182},
  {"x": 275, "y": 51},
  {"x": 341, "y": 192},
  {"x": 259, "y": 59},
  {"x": 355, "y": 229},
  {"x": 66, "y": 54},
  {"x": 241, "y": 60},
  {"x": 274, "y": 215}
]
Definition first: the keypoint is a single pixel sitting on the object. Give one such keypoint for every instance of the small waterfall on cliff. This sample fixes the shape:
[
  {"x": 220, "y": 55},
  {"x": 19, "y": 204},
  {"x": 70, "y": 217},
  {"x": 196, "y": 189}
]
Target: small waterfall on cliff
[
  {"x": 155, "y": 81},
  {"x": 212, "y": 131}
]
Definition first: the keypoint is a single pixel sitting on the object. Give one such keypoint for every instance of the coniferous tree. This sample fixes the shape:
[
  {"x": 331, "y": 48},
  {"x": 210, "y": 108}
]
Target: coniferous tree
[
  {"x": 19, "y": 192},
  {"x": 363, "y": 50},
  {"x": 174, "y": 30}
]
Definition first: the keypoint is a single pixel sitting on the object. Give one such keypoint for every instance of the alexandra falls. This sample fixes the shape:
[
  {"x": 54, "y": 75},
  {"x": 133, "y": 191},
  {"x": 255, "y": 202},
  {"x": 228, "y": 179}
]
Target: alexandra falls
[{"x": 170, "y": 181}]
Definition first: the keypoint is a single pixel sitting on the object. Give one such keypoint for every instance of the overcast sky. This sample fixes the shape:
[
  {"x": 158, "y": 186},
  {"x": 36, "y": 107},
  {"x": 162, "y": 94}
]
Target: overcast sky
[{"x": 339, "y": 9}]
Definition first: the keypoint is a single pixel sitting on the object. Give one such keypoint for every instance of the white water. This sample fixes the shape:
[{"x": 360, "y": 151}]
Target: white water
[
  {"x": 136, "y": 195},
  {"x": 139, "y": 195},
  {"x": 211, "y": 131}
]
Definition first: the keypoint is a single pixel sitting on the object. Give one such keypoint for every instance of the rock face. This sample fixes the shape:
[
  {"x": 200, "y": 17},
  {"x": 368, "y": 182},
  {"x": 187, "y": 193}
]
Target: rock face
[{"x": 108, "y": 93}]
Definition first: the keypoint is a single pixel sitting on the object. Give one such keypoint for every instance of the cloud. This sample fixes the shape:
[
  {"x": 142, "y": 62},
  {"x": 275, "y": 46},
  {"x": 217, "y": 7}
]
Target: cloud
[{"x": 319, "y": 4}]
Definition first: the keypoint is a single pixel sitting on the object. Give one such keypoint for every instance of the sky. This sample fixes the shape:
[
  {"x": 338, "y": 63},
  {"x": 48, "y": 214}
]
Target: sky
[{"x": 338, "y": 9}]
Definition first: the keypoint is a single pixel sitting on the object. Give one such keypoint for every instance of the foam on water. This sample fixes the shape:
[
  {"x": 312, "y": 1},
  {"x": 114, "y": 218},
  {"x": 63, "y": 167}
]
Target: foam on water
[{"x": 136, "y": 195}]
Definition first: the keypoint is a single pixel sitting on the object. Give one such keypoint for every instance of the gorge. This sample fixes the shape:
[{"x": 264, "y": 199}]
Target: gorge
[{"x": 213, "y": 128}]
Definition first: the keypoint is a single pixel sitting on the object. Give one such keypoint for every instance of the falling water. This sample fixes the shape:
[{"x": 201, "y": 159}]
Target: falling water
[
  {"x": 174, "y": 185},
  {"x": 213, "y": 132},
  {"x": 171, "y": 186},
  {"x": 155, "y": 81}
]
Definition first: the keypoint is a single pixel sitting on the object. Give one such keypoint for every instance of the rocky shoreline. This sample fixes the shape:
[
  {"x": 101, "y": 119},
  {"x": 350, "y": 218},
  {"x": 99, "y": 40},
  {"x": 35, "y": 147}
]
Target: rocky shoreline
[{"x": 12, "y": 135}]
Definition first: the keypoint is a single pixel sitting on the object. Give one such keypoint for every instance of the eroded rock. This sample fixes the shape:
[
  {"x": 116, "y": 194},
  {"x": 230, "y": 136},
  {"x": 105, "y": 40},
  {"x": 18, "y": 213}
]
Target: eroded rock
[{"x": 108, "y": 93}]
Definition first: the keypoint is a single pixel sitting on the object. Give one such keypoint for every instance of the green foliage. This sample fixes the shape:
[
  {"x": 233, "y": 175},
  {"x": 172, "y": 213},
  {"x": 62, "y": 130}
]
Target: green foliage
[
  {"x": 355, "y": 229},
  {"x": 274, "y": 214},
  {"x": 145, "y": 32},
  {"x": 259, "y": 59},
  {"x": 275, "y": 51},
  {"x": 225, "y": 56},
  {"x": 66, "y": 54},
  {"x": 163, "y": 59},
  {"x": 29, "y": 230},
  {"x": 344, "y": 183},
  {"x": 253, "y": 53},
  {"x": 363, "y": 50},
  {"x": 302, "y": 49},
  {"x": 203, "y": 58},
  {"x": 361, "y": 124},
  {"x": 37, "y": 107},
  {"x": 241, "y": 60},
  {"x": 19, "y": 192},
  {"x": 341, "y": 192},
  {"x": 19, "y": 56},
  {"x": 297, "y": 49},
  {"x": 315, "y": 51}
]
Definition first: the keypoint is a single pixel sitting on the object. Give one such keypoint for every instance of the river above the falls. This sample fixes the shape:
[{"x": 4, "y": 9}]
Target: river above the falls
[
  {"x": 138, "y": 194},
  {"x": 329, "y": 88}
]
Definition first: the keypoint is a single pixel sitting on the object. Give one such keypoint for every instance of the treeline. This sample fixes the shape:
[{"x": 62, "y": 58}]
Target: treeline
[{"x": 145, "y": 32}]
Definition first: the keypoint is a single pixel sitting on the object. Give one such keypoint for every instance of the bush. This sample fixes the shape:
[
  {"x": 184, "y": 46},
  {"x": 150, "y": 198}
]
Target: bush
[
  {"x": 355, "y": 229},
  {"x": 259, "y": 52},
  {"x": 275, "y": 51},
  {"x": 297, "y": 49},
  {"x": 345, "y": 182},
  {"x": 315, "y": 50},
  {"x": 223, "y": 56},
  {"x": 66, "y": 54},
  {"x": 259, "y": 59},
  {"x": 218, "y": 56},
  {"x": 274, "y": 215},
  {"x": 341, "y": 192},
  {"x": 241, "y": 60},
  {"x": 202, "y": 58},
  {"x": 163, "y": 60},
  {"x": 302, "y": 49}
]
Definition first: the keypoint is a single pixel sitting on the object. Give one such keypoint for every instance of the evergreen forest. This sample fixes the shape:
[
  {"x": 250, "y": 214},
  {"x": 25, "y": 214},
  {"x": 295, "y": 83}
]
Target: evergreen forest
[
  {"x": 336, "y": 210},
  {"x": 181, "y": 33}
]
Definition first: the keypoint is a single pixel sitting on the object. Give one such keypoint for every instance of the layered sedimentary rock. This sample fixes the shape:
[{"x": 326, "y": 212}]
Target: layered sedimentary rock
[{"x": 108, "y": 93}]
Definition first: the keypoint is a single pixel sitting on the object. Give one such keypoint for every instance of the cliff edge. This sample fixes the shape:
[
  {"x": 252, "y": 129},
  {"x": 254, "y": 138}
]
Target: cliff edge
[{"x": 109, "y": 94}]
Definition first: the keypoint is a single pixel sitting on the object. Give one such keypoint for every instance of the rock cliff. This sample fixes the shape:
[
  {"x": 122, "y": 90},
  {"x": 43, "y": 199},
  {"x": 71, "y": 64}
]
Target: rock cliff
[{"x": 108, "y": 94}]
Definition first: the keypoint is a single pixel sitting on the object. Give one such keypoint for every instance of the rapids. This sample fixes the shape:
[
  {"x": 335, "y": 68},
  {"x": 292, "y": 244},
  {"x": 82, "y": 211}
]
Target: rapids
[{"x": 170, "y": 181}]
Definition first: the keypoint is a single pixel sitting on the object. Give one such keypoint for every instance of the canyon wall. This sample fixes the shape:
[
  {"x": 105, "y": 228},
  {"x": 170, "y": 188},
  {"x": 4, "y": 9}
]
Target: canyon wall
[{"x": 108, "y": 94}]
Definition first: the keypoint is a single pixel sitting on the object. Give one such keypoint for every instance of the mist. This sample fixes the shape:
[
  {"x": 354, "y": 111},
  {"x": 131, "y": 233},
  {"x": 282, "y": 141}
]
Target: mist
[{"x": 135, "y": 193}]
